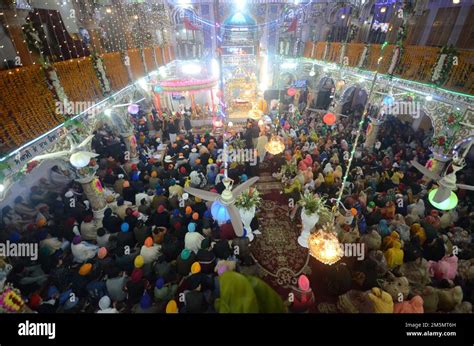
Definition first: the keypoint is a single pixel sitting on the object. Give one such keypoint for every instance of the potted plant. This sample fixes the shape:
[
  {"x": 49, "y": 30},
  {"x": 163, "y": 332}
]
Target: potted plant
[
  {"x": 312, "y": 205},
  {"x": 247, "y": 203}
]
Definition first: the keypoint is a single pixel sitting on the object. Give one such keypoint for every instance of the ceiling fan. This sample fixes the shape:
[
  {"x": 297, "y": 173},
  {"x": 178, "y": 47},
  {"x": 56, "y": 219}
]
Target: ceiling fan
[
  {"x": 226, "y": 199},
  {"x": 447, "y": 182},
  {"x": 78, "y": 154}
]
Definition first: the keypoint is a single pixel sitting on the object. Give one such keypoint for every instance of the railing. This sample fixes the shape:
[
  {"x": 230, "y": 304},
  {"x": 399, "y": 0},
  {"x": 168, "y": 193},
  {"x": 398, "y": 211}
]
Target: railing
[
  {"x": 27, "y": 105},
  {"x": 416, "y": 62}
]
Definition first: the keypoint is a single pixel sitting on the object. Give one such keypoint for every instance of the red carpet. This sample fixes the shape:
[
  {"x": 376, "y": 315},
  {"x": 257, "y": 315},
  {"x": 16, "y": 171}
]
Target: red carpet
[{"x": 276, "y": 250}]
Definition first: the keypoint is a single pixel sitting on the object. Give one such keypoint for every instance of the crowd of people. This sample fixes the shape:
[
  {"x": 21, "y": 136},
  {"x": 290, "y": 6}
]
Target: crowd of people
[{"x": 155, "y": 251}]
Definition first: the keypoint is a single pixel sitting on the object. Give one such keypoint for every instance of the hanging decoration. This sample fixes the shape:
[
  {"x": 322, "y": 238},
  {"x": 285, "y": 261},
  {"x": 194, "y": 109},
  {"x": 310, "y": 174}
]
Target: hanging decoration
[
  {"x": 324, "y": 246},
  {"x": 329, "y": 119},
  {"x": 133, "y": 109},
  {"x": 446, "y": 60},
  {"x": 275, "y": 146},
  {"x": 291, "y": 92}
]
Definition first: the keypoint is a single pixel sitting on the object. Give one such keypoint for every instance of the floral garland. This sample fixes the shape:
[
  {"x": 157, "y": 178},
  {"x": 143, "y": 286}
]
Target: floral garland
[
  {"x": 326, "y": 49},
  {"x": 443, "y": 65},
  {"x": 363, "y": 57},
  {"x": 54, "y": 84},
  {"x": 399, "y": 49},
  {"x": 32, "y": 37},
  {"x": 343, "y": 52},
  {"x": 395, "y": 59},
  {"x": 98, "y": 63}
]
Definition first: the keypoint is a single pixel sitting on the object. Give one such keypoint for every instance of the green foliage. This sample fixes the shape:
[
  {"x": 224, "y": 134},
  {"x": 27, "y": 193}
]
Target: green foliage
[
  {"x": 312, "y": 203},
  {"x": 248, "y": 199}
]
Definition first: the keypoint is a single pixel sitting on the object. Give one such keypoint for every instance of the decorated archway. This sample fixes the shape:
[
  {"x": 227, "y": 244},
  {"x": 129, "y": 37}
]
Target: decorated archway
[
  {"x": 353, "y": 99},
  {"x": 324, "y": 93}
]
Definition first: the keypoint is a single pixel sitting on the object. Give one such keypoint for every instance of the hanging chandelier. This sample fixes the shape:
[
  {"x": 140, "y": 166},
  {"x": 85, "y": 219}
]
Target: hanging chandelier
[
  {"x": 275, "y": 146},
  {"x": 325, "y": 247}
]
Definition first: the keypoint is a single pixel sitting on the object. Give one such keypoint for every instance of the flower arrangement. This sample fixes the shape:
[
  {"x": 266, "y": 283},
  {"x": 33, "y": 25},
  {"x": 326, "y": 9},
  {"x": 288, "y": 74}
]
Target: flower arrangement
[
  {"x": 289, "y": 168},
  {"x": 312, "y": 203},
  {"x": 248, "y": 199}
]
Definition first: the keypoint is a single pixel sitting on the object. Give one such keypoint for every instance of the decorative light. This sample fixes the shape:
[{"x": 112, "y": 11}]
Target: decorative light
[
  {"x": 325, "y": 247},
  {"x": 275, "y": 146},
  {"x": 343, "y": 16},
  {"x": 289, "y": 65},
  {"x": 455, "y": 2},
  {"x": 312, "y": 73},
  {"x": 108, "y": 112},
  {"x": 241, "y": 4},
  {"x": 191, "y": 68},
  {"x": 329, "y": 119},
  {"x": 291, "y": 92},
  {"x": 449, "y": 203},
  {"x": 230, "y": 124},
  {"x": 383, "y": 9},
  {"x": 260, "y": 122},
  {"x": 215, "y": 68},
  {"x": 158, "y": 89},
  {"x": 143, "y": 84},
  {"x": 108, "y": 10},
  {"x": 429, "y": 98},
  {"x": 80, "y": 159},
  {"x": 388, "y": 100},
  {"x": 2, "y": 188},
  {"x": 340, "y": 84},
  {"x": 219, "y": 212},
  {"x": 133, "y": 109}
]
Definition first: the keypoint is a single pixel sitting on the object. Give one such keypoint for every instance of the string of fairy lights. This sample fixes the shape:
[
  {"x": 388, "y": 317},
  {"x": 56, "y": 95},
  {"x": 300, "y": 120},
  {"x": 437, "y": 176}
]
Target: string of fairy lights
[{"x": 61, "y": 41}]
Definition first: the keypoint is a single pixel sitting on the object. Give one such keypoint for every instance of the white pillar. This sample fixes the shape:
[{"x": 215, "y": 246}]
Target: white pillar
[{"x": 372, "y": 136}]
